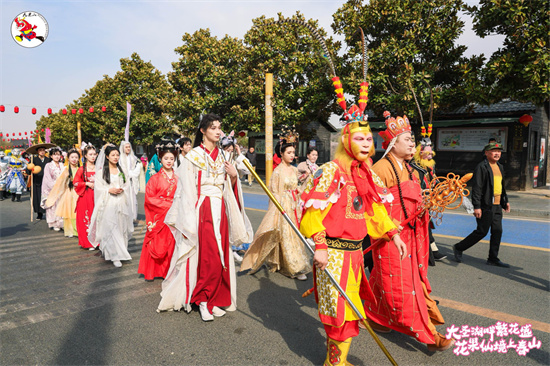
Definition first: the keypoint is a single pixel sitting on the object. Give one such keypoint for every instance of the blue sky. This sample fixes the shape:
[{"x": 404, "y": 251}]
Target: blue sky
[{"x": 88, "y": 38}]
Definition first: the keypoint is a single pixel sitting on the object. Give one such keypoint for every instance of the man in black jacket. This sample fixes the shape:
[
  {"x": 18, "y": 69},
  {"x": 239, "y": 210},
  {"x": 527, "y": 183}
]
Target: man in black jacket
[
  {"x": 251, "y": 156},
  {"x": 489, "y": 199},
  {"x": 38, "y": 160}
]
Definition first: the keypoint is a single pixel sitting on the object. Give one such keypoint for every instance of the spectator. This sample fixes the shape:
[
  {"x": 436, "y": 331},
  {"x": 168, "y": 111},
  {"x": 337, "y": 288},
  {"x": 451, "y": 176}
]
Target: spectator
[
  {"x": 251, "y": 156},
  {"x": 489, "y": 199}
]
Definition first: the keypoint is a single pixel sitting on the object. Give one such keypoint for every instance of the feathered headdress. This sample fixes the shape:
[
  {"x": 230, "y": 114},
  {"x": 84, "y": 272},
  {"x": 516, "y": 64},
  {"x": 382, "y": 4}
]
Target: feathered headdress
[{"x": 354, "y": 118}]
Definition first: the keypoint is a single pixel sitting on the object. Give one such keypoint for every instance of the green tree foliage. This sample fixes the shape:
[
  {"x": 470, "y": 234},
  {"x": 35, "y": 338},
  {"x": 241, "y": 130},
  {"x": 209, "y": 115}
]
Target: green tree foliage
[
  {"x": 139, "y": 83},
  {"x": 411, "y": 46},
  {"x": 206, "y": 79},
  {"x": 521, "y": 68},
  {"x": 227, "y": 76},
  {"x": 302, "y": 89}
]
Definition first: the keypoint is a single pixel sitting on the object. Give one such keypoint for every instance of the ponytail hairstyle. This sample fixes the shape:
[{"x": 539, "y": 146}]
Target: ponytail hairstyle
[
  {"x": 85, "y": 151},
  {"x": 106, "y": 173},
  {"x": 69, "y": 153},
  {"x": 205, "y": 123}
]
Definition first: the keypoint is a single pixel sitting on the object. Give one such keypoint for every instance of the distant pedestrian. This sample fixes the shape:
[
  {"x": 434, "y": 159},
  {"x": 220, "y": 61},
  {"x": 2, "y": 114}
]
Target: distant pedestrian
[
  {"x": 251, "y": 156},
  {"x": 489, "y": 199}
]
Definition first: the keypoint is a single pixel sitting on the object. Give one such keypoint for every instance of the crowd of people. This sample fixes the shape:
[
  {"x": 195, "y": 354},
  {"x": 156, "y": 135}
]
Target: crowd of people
[{"x": 195, "y": 219}]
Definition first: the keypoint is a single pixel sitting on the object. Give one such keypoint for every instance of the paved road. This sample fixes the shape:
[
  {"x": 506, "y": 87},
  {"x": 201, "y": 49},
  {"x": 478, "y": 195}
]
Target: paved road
[{"x": 63, "y": 305}]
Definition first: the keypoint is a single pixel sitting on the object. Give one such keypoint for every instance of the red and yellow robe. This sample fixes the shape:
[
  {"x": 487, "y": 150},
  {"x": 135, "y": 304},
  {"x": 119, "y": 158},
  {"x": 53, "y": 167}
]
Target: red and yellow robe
[{"x": 329, "y": 208}]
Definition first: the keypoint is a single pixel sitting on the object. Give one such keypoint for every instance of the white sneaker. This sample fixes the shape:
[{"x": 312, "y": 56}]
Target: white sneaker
[
  {"x": 250, "y": 184},
  {"x": 117, "y": 264},
  {"x": 56, "y": 229},
  {"x": 301, "y": 277},
  {"x": 237, "y": 257},
  {"x": 205, "y": 314},
  {"x": 92, "y": 248},
  {"x": 216, "y": 311}
]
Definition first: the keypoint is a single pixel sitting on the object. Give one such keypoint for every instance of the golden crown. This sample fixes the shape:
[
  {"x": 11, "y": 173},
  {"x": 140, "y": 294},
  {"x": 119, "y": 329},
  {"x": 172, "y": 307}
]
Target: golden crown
[{"x": 289, "y": 135}]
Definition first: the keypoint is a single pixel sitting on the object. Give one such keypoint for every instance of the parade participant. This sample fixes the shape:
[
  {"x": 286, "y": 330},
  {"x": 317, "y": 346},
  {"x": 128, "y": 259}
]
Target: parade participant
[
  {"x": 131, "y": 164},
  {"x": 341, "y": 207},
  {"x": 40, "y": 160},
  {"x": 52, "y": 171},
  {"x": 203, "y": 270},
  {"x": 111, "y": 224},
  {"x": 63, "y": 195},
  {"x": 308, "y": 167},
  {"x": 185, "y": 146},
  {"x": 275, "y": 243},
  {"x": 84, "y": 186},
  {"x": 423, "y": 162},
  {"x": 4, "y": 170},
  {"x": 15, "y": 182},
  {"x": 401, "y": 287},
  {"x": 489, "y": 199},
  {"x": 158, "y": 244}
]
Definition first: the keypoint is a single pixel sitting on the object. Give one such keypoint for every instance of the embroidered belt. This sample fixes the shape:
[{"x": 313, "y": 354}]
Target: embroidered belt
[{"x": 344, "y": 244}]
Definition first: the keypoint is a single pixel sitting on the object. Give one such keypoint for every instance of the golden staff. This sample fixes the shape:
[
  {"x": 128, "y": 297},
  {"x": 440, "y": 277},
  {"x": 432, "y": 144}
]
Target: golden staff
[{"x": 327, "y": 272}]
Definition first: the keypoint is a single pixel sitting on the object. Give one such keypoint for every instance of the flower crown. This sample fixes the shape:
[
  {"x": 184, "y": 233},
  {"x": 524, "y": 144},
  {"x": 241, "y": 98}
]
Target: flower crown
[{"x": 289, "y": 135}]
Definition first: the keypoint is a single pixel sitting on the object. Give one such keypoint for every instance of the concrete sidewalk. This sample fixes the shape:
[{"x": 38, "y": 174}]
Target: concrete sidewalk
[{"x": 532, "y": 203}]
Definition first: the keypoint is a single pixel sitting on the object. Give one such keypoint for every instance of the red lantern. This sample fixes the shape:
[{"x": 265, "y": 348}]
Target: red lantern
[
  {"x": 25, "y": 132},
  {"x": 73, "y": 111},
  {"x": 91, "y": 109},
  {"x": 33, "y": 111},
  {"x": 1, "y": 134},
  {"x": 32, "y": 132},
  {"x": 36, "y": 131},
  {"x": 16, "y": 109},
  {"x": 2, "y": 108},
  {"x": 42, "y": 130},
  {"x": 64, "y": 111},
  {"x": 49, "y": 111},
  {"x": 7, "y": 135},
  {"x": 525, "y": 120},
  {"x": 103, "y": 108},
  {"x": 80, "y": 110},
  {"x": 19, "y": 133}
]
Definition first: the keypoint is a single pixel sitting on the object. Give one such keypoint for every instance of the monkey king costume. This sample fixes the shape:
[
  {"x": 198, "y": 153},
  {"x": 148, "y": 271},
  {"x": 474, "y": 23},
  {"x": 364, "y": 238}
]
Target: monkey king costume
[
  {"x": 341, "y": 206},
  {"x": 401, "y": 287}
]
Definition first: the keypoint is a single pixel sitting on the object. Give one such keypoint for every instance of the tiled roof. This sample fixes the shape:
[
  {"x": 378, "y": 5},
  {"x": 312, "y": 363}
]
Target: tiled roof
[{"x": 506, "y": 105}]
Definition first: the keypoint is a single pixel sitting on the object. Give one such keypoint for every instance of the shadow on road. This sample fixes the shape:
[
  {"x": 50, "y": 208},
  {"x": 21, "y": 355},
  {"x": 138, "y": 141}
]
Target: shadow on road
[
  {"x": 13, "y": 230},
  {"x": 299, "y": 330},
  {"x": 89, "y": 340}
]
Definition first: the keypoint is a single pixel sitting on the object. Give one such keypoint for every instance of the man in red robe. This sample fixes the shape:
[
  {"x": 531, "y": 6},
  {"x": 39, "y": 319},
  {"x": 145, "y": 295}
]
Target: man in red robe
[{"x": 401, "y": 287}]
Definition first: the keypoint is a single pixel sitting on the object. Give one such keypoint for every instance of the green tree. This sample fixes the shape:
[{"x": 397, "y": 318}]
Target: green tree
[
  {"x": 139, "y": 83},
  {"x": 411, "y": 47},
  {"x": 302, "y": 89},
  {"x": 521, "y": 68},
  {"x": 206, "y": 79}
]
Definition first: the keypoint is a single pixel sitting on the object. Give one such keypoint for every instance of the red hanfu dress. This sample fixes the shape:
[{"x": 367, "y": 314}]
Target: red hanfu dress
[
  {"x": 158, "y": 244},
  {"x": 84, "y": 205}
]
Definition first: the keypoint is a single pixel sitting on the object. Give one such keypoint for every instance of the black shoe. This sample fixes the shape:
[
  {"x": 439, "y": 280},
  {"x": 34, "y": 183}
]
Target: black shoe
[
  {"x": 2, "y": 196},
  {"x": 13, "y": 197},
  {"x": 458, "y": 254},
  {"x": 18, "y": 197},
  {"x": 438, "y": 256},
  {"x": 498, "y": 263},
  {"x": 39, "y": 217}
]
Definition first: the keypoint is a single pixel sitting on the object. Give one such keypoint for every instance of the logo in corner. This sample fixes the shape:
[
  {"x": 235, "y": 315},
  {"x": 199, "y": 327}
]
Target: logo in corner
[{"x": 29, "y": 29}]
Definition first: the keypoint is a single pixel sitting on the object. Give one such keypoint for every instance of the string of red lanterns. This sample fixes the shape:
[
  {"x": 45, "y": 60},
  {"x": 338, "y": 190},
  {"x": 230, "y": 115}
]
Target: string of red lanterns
[{"x": 50, "y": 111}]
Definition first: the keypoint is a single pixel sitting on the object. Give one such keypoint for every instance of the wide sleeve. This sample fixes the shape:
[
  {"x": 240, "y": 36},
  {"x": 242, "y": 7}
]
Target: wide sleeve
[
  {"x": 318, "y": 196},
  {"x": 380, "y": 225},
  {"x": 78, "y": 182},
  {"x": 61, "y": 184}
]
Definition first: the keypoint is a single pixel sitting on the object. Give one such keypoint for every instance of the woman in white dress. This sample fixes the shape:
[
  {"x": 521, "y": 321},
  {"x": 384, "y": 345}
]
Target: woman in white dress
[
  {"x": 132, "y": 165},
  {"x": 111, "y": 225},
  {"x": 52, "y": 171}
]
